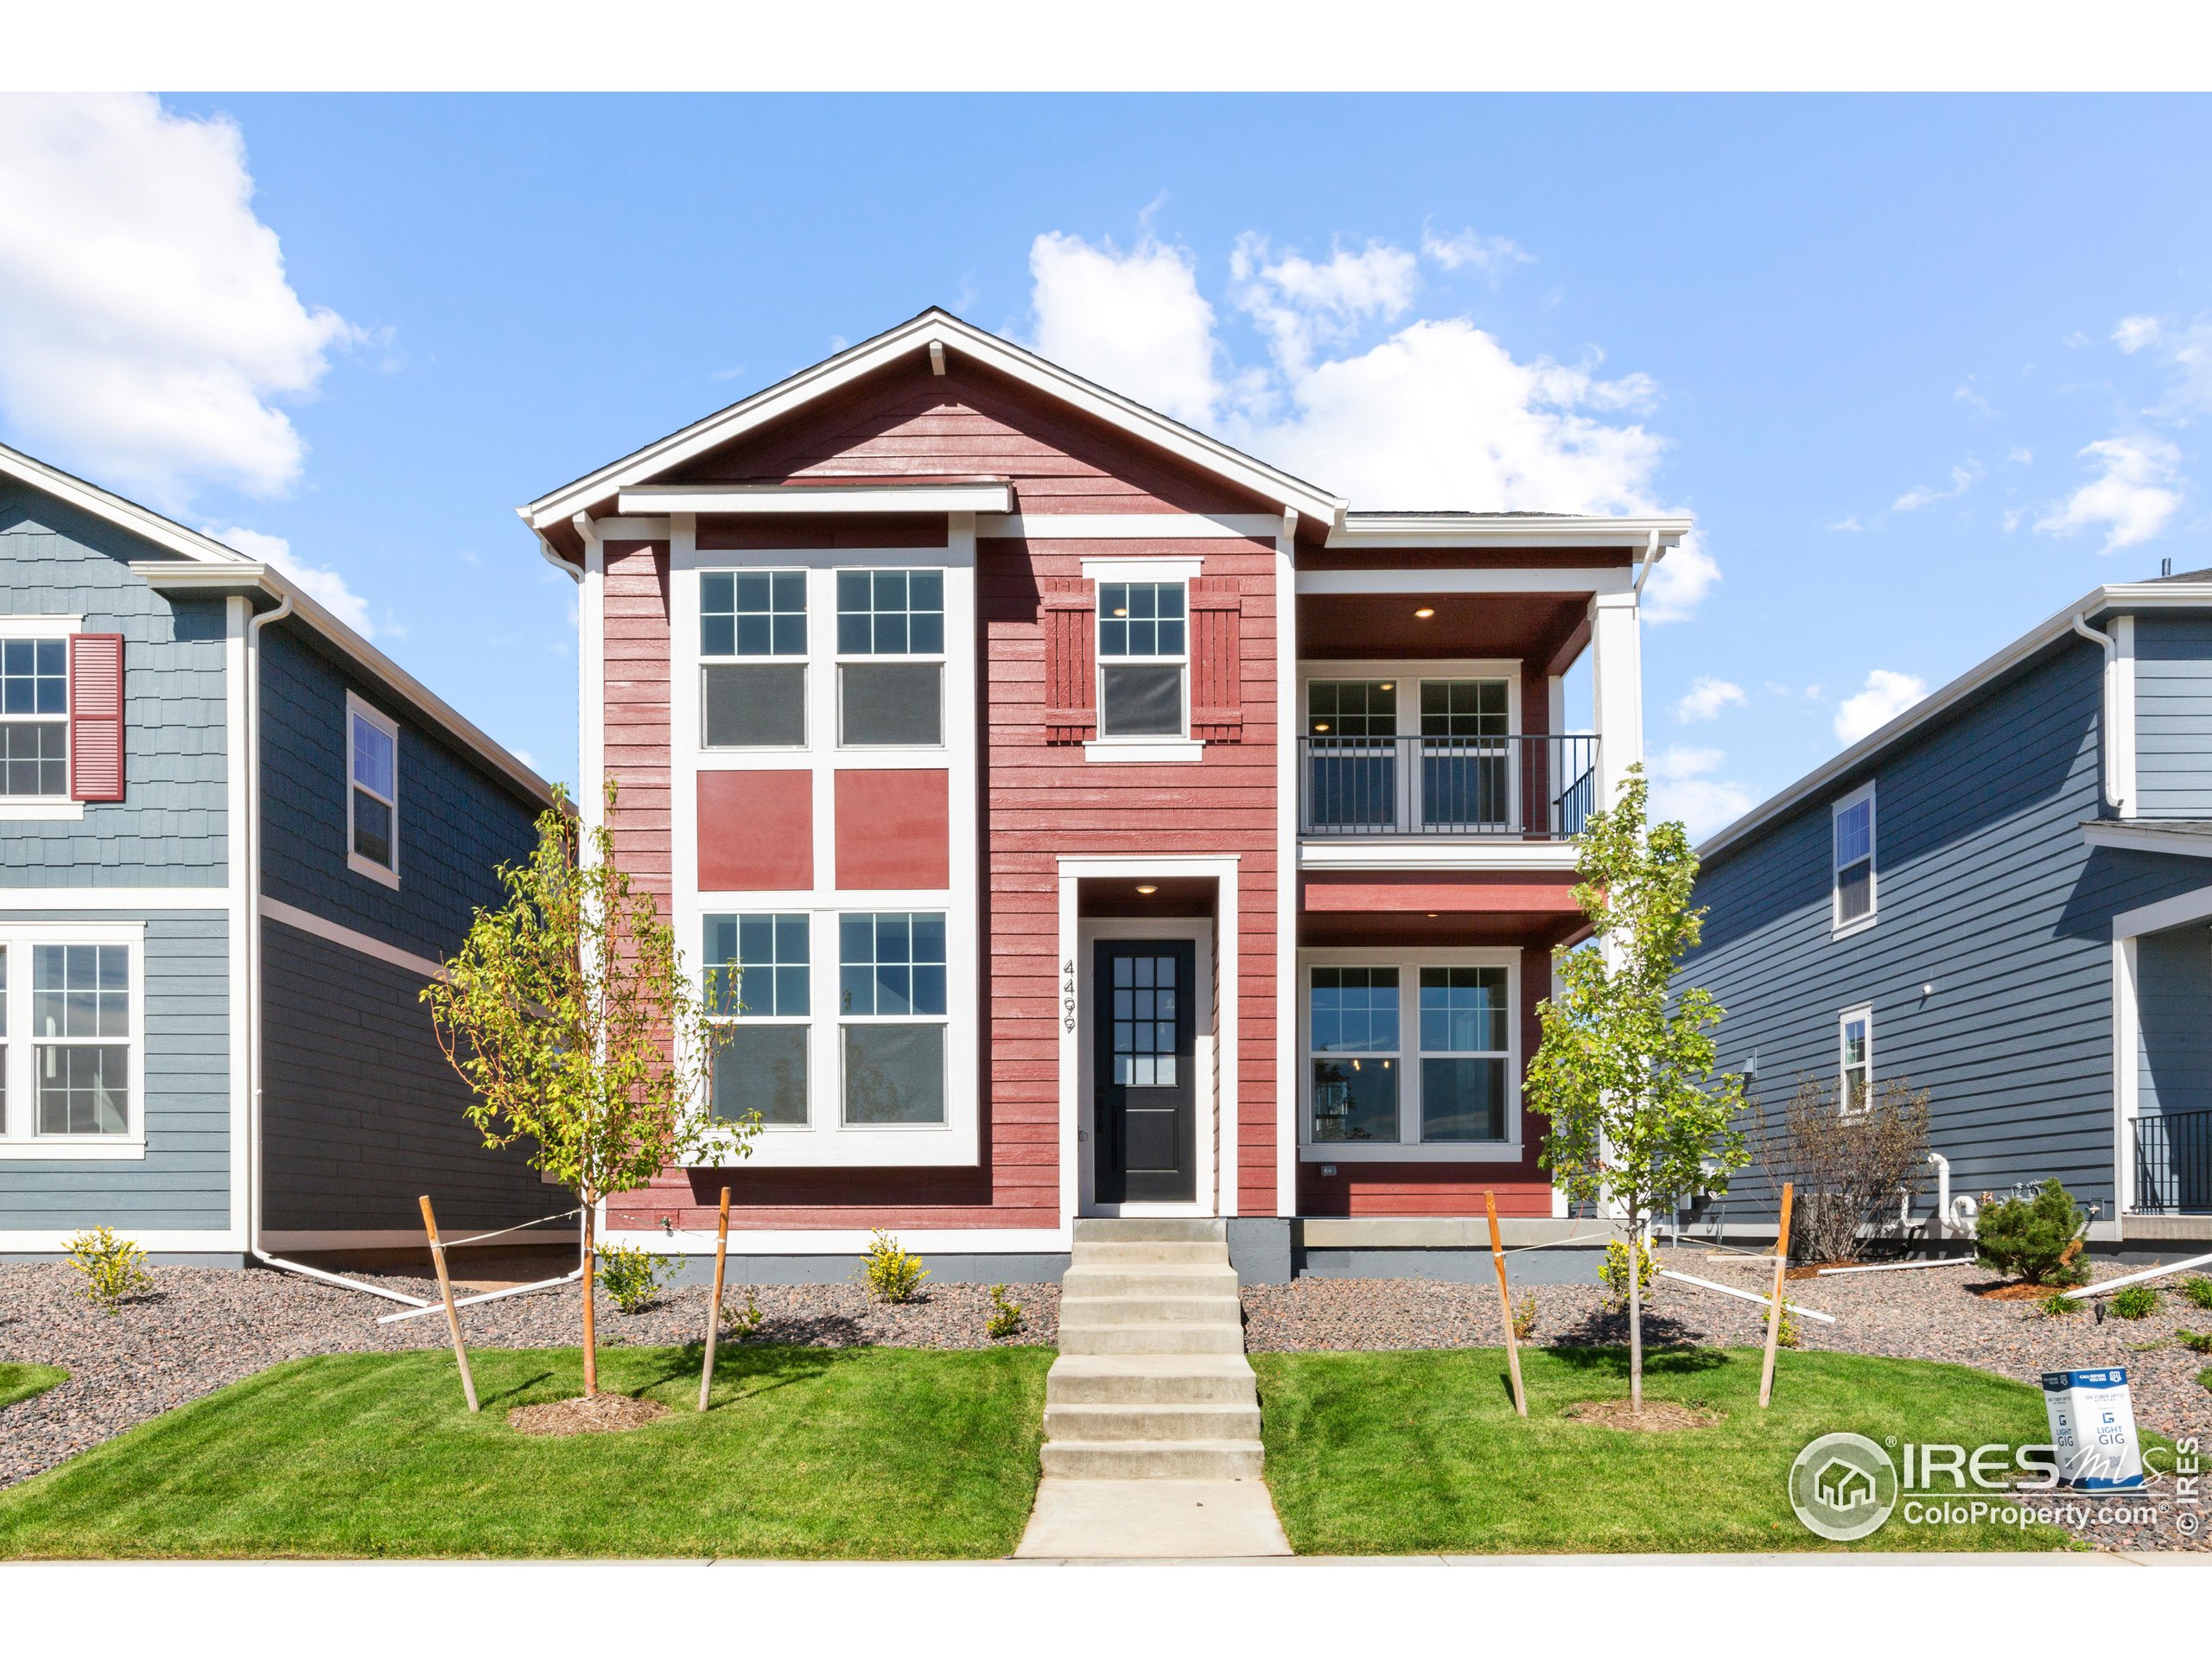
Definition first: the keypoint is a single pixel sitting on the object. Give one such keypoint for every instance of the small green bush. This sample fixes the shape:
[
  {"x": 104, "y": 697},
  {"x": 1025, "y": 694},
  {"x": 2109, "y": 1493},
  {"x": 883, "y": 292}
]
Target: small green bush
[
  {"x": 1524, "y": 1317},
  {"x": 1786, "y": 1334},
  {"x": 2037, "y": 1240},
  {"x": 2057, "y": 1306},
  {"x": 891, "y": 1274},
  {"x": 2198, "y": 1291},
  {"x": 745, "y": 1322},
  {"x": 114, "y": 1268},
  {"x": 2197, "y": 1342},
  {"x": 2136, "y": 1302},
  {"x": 1006, "y": 1316},
  {"x": 1613, "y": 1274},
  {"x": 633, "y": 1276}
]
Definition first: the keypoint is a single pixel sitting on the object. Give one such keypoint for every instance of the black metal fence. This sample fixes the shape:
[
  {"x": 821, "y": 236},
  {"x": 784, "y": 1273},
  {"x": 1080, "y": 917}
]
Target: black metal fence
[
  {"x": 1541, "y": 787},
  {"x": 2173, "y": 1164}
]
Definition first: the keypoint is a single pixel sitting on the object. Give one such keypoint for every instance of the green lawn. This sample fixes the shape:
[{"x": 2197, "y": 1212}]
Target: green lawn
[
  {"x": 1408, "y": 1453},
  {"x": 896, "y": 1453},
  {"x": 21, "y": 1381}
]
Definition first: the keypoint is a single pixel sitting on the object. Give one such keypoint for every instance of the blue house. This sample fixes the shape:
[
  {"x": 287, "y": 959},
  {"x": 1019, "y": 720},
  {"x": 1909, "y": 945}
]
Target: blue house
[
  {"x": 2004, "y": 896},
  {"x": 236, "y": 841}
]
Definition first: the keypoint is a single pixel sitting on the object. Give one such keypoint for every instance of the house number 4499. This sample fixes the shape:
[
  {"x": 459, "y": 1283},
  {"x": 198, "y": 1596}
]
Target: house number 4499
[{"x": 1067, "y": 995}]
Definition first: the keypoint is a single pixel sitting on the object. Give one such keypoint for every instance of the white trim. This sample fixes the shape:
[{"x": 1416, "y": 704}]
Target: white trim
[
  {"x": 1162, "y": 568},
  {"x": 729, "y": 500},
  {"x": 1498, "y": 853},
  {"x": 44, "y": 808},
  {"x": 1863, "y": 1011},
  {"x": 1616, "y": 689},
  {"x": 128, "y": 515},
  {"x": 2126, "y": 1066},
  {"x": 238, "y": 728},
  {"x": 1387, "y": 529},
  {"x": 276, "y": 910},
  {"x": 1149, "y": 750},
  {"x": 133, "y": 899},
  {"x": 164, "y": 1240},
  {"x": 2195, "y": 906},
  {"x": 39, "y": 808},
  {"x": 1611, "y": 579},
  {"x": 1839, "y": 928},
  {"x": 2144, "y": 836},
  {"x": 359, "y": 708},
  {"x": 2122, "y": 715},
  {"x": 389, "y": 1239},
  {"x": 1204, "y": 1050},
  {"x": 620, "y": 527},
  {"x": 13, "y": 626},
  {"x": 591, "y": 689},
  {"x": 1288, "y": 855},
  {"x": 1130, "y": 526},
  {"x": 847, "y": 1241},
  {"x": 18, "y": 1137}
]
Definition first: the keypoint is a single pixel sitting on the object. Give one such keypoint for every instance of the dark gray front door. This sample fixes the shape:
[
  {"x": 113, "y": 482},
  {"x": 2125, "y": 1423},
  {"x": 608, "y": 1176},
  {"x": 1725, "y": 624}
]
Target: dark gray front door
[{"x": 1146, "y": 1097}]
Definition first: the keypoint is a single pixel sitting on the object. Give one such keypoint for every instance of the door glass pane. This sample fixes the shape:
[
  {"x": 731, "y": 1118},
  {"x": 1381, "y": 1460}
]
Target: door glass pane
[{"x": 1145, "y": 1022}]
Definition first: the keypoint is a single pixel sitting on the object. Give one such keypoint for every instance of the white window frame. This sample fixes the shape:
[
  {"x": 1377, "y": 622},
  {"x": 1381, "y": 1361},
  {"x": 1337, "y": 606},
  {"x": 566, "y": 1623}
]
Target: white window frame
[
  {"x": 357, "y": 709},
  {"x": 1839, "y": 928},
  {"x": 1408, "y": 678},
  {"x": 841, "y": 658},
  {"x": 839, "y": 1020},
  {"x": 19, "y": 1140},
  {"x": 45, "y": 809},
  {"x": 804, "y": 1020},
  {"x": 1410, "y": 1147},
  {"x": 1140, "y": 746},
  {"x": 723, "y": 565},
  {"x": 1862, "y": 1013}
]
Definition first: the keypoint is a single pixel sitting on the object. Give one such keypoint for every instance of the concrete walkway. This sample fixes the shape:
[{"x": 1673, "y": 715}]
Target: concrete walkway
[{"x": 1152, "y": 1520}]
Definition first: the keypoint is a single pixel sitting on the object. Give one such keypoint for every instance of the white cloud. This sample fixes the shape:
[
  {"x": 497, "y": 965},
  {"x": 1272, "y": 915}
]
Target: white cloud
[
  {"x": 2131, "y": 494},
  {"x": 1491, "y": 254},
  {"x": 1887, "y": 694},
  {"x": 1683, "y": 788},
  {"x": 147, "y": 328},
  {"x": 1300, "y": 306},
  {"x": 2020, "y": 456},
  {"x": 2133, "y": 333},
  {"x": 1962, "y": 480},
  {"x": 1679, "y": 586},
  {"x": 1134, "y": 321},
  {"x": 326, "y": 587},
  {"x": 1849, "y": 521},
  {"x": 1707, "y": 696}
]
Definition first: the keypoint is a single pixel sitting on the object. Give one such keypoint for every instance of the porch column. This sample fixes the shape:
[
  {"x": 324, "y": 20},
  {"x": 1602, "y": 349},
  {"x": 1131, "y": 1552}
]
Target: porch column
[{"x": 1617, "y": 684}]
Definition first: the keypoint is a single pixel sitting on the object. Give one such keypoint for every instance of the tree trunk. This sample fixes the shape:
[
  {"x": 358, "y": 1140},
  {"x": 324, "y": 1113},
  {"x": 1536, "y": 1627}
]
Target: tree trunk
[
  {"x": 590, "y": 1281},
  {"x": 1635, "y": 1313}
]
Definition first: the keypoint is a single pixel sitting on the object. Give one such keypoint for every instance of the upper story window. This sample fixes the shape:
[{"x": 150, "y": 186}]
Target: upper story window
[
  {"x": 758, "y": 968},
  {"x": 1855, "y": 1058},
  {"x": 1854, "y": 860},
  {"x": 891, "y": 651},
  {"x": 373, "y": 792},
  {"x": 34, "y": 719},
  {"x": 757, "y": 618},
  {"x": 1464, "y": 707},
  {"x": 1143, "y": 659},
  {"x": 1349, "y": 708}
]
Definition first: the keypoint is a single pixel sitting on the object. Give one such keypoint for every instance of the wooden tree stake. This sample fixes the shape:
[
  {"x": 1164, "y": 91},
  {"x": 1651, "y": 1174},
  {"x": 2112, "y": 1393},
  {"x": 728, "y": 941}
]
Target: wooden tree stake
[
  {"x": 1774, "y": 1308},
  {"x": 452, "y": 1315},
  {"x": 715, "y": 1302},
  {"x": 1505, "y": 1305}
]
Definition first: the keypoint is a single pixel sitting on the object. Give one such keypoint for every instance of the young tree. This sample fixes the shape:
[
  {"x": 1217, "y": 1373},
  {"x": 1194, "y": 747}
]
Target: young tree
[
  {"x": 569, "y": 1013},
  {"x": 1624, "y": 1072}
]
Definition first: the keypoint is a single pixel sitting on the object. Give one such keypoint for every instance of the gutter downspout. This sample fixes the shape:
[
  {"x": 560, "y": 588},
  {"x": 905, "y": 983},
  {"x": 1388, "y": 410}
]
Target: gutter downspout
[
  {"x": 1652, "y": 553},
  {"x": 2108, "y": 746}
]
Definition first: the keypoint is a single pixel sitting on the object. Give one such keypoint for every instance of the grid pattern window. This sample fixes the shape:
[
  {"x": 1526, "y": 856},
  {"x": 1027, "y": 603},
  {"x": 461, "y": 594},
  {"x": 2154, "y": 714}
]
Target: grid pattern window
[
  {"x": 1464, "y": 1018},
  {"x": 1854, "y": 858},
  {"x": 372, "y": 807},
  {"x": 1145, "y": 1013},
  {"x": 80, "y": 1031},
  {"x": 1855, "y": 1059},
  {"x": 1143, "y": 647},
  {"x": 891, "y": 968},
  {"x": 758, "y": 968},
  {"x": 34, "y": 718},
  {"x": 752, "y": 613},
  {"x": 890, "y": 612},
  {"x": 1353, "y": 1050},
  {"x": 1464, "y": 707},
  {"x": 896, "y": 616},
  {"x": 1348, "y": 708}
]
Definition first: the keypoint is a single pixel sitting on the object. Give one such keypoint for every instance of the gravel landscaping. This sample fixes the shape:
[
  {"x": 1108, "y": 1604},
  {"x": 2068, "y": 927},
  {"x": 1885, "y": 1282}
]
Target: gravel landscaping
[{"x": 204, "y": 1327}]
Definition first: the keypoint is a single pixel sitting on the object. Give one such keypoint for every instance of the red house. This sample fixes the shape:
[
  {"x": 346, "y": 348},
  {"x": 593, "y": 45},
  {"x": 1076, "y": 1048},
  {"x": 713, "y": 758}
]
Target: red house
[{"x": 1102, "y": 821}]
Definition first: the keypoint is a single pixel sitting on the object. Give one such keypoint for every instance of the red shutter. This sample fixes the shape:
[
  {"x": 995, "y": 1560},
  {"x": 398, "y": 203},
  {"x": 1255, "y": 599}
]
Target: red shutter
[
  {"x": 1071, "y": 616},
  {"x": 1216, "y": 660},
  {"x": 96, "y": 716}
]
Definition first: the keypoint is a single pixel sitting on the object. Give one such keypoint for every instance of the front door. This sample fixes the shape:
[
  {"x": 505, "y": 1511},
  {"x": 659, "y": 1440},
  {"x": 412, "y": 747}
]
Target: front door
[{"x": 1146, "y": 1099}]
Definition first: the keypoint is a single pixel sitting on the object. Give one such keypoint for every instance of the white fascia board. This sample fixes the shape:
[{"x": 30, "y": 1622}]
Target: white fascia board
[
  {"x": 128, "y": 900},
  {"x": 1132, "y": 526},
  {"x": 126, "y": 515},
  {"x": 253, "y": 578},
  {"x": 752, "y": 499},
  {"x": 1403, "y": 530},
  {"x": 846, "y": 1241},
  {"x": 1349, "y": 855},
  {"x": 2138, "y": 836},
  {"x": 942, "y": 329},
  {"x": 2132, "y": 597},
  {"x": 1477, "y": 580}
]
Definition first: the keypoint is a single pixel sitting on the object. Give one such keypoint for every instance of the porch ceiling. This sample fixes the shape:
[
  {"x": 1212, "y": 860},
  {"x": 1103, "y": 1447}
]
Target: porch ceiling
[
  {"x": 1542, "y": 629},
  {"x": 1117, "y": 895}
]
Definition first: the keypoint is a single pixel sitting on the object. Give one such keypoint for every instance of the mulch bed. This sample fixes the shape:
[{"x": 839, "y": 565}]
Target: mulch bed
[
  {"x": 1656, "y": 1417},
  {"x": 602, "y": 1413}
]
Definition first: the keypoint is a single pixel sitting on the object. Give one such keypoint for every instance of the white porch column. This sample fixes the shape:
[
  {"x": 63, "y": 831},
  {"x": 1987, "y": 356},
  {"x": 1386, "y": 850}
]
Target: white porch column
[{"x": 1617, "y": 689}]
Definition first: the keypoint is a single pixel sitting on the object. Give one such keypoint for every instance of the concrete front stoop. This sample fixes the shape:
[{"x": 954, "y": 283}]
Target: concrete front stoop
[{"x": 1152, "y": 1413}]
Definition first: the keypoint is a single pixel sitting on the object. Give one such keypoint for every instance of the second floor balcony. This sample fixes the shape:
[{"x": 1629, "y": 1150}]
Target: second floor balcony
[{"x": 1508, "y": 785}]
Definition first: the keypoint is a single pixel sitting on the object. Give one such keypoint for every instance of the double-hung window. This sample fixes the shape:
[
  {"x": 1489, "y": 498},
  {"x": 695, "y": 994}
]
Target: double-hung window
[
  {"x": 1143, "y": 659},
  {"x": 1419, "y": 1052},
  {"x": 1855, "y": 1059},
  {"x": 753, "y": 652},
  {"x": 1463, "y": 1053},
  {"x": 758, "y": 988},
  {"x": 34, "y": 719},
  {"x": 1354, "y": 1054},
  {"x": 891, "y": 1007},
  {"x": 1854, "y": 860},
  {"x": 80, "y": 1038},
  {"x": 891, "y": 658},
  {"x": 372, "y": 793}
]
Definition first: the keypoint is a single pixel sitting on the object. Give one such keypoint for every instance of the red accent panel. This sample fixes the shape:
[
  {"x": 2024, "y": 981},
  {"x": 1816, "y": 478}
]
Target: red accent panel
[
  {"x": 756, "y": 829},
  {"x": 1542, "y": 893},
  {"x": 1071, "y": 613},
  {"x": 1216, "y": 660},
  {"x": 635, "y": 741},
  {"x": 892, "y": 829},
  {"x": 96, "y": 716}
]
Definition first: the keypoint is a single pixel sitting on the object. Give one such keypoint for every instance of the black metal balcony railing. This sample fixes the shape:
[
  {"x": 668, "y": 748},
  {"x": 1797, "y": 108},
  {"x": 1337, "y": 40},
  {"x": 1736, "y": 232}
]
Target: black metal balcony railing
[
  {"x": 2173, "y": 1164},
  {"x": 1532, "y": 787}
]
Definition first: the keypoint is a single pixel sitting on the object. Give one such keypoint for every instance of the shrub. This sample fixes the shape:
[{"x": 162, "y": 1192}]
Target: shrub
[
  {"x": 633, "y": 1276},
  {"x": 2058, "y": 1305},
  {"x": 2197, "y": 1342},
  {"x": 891, "y": 1275},
  {"x": 1848, "y": 1166},
  {"x": 743, "y": 1324},
  {"x": 2037, "y": 1240},
  {"x": 1524, "y": 1317},
  {"x": 114, "y": 1268},
  {"x": 1006, "y": 1316},
  {"x": 2198, "y": 1291},
  {"x": 1786, "y": 1334},
  {"x": 1613, "y": 1274},
  {"x": 2136, "y": 1302}
]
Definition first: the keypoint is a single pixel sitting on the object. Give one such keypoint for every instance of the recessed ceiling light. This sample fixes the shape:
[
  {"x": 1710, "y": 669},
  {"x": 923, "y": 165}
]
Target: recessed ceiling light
[
  {"x": 1426, "y": 611},
  {"x": 1320, "y": 725},
  {"x": 1388, "y": 685},
  {"x": 1121, "y": 610},
  {"x": 1146, "y": 886},
  {"x": 1432, "y": 915}
]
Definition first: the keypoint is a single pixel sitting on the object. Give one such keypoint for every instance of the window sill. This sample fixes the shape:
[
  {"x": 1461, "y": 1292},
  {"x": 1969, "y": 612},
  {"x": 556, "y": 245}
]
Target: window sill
[
  {"x": 1418, "y": 1152},
  {"x": 374, "y": 871},
  {"x": 1150, "y": 751},
  {"x": 1865, "y": 923},
  {"x": 60, "y": 1148},
  {"x": 40, "y": 811}
]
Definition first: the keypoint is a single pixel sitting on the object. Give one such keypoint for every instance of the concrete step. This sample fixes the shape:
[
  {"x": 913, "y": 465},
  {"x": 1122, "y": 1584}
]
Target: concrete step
[
  {"x": 1149, "y": 1279},
  {"x": 1155, "y": 1379},
  {"x": 1216, "y": 1420},
  {"x": 1115, "y": 1252},
  {"x": 1149, "y": 1339},
  {"x": 1213, "y": 1308},
  {"x": 1153, "y": 1460},
  {"x": 1164, "y": 1230}
]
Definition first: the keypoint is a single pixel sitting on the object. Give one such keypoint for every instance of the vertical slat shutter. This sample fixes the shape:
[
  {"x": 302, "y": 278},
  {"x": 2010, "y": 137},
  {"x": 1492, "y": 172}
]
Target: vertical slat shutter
[
  {"x": 1070, "y": 608},
  {"x": 96, "y": 716},
  {"x": 1216, "y": 660}
]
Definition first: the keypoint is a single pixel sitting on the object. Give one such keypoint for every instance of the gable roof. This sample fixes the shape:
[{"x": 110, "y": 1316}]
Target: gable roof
[{"x": 939, "y": 327}]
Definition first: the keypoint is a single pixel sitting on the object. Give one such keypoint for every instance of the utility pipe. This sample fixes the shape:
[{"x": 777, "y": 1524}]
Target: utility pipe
[
  {"x": 2138, "y": 1278},
  {"x": 1652, "y": 553},
  {"x": 1942, "y": 1189},
  {"x": 2108, "y": 727}
]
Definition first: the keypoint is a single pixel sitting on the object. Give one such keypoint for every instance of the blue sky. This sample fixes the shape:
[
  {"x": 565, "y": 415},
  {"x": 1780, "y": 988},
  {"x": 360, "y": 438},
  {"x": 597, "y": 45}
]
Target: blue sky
[{"x": 1925, "y": 369}]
